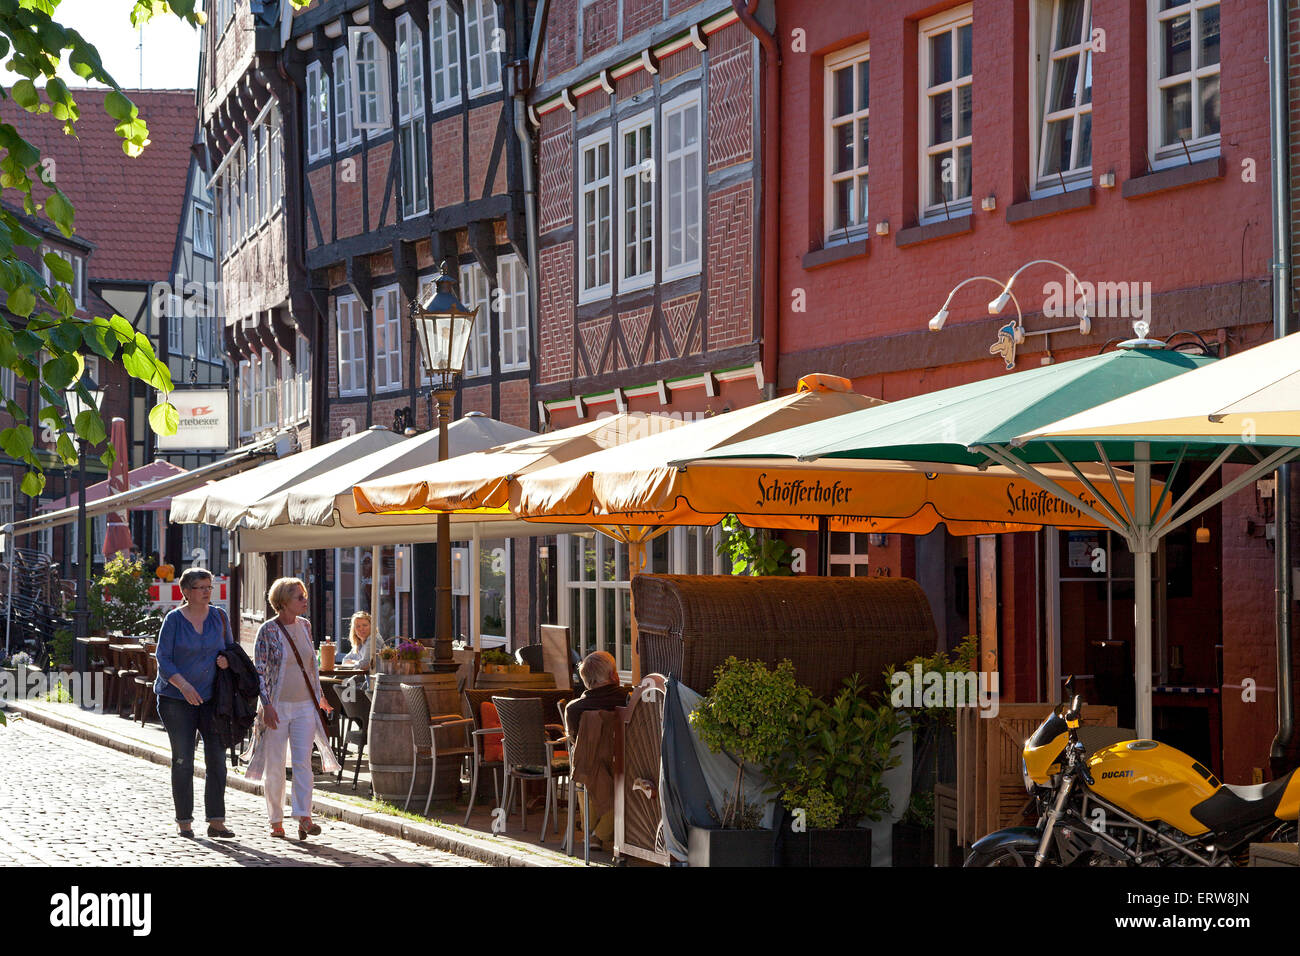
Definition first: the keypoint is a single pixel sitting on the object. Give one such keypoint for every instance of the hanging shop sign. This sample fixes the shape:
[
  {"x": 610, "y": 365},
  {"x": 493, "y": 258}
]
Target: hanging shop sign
[{"x": 204, "y": 421}]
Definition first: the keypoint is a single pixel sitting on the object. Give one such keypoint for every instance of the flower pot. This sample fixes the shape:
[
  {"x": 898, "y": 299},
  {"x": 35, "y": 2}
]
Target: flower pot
[
  {"x": 850, "y": 846},
  {"x": 913, "y": 845},
  {"x": 730, "y": 847}
]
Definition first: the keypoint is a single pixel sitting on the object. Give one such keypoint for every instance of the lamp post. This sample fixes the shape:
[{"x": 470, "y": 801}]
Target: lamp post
[
  {"x": 77, "y": 405},
  {"x": 443, "y": 326}
]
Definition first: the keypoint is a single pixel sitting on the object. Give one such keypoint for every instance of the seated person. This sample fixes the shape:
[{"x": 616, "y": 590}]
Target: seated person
[
  {"x": 599, "y": 673},
  {"x": 359, "y": 639}
]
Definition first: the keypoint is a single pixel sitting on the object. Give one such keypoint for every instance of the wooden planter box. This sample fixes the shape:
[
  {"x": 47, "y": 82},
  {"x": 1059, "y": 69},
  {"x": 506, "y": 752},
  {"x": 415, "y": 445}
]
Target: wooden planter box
[{"x": 820, "y": 848}]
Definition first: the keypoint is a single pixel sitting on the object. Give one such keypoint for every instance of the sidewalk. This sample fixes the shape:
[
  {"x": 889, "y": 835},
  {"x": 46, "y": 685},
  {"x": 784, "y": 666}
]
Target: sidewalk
[{"x": 150, "y": 742}]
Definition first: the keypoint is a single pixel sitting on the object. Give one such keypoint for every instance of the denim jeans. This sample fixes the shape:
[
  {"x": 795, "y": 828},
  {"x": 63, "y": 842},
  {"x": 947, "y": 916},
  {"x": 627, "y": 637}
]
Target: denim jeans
[{"x": 183, "y": 720}]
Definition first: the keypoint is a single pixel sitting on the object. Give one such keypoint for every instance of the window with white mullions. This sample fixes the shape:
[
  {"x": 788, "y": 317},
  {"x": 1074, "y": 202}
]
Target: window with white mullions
[
  {"x": 1062, "y": 57},
  {"x": 349, "y": 322},
  {"x": 387, "y": 320},
  {"x": 946, "y": 114},
  {"x": 848, "y": 82},
  {"x": 637, "y": 182},
  {"x": 444, "y": 55},
  {"x": 369, "y": 79},
  {"x": 344, "y": 133},
  {"x": 1183, "y": 56},
  {"x": 484, "y": 46},
  {"x": 317, "y": 99},
  {"x": 683, "y": 195},
  {"x": 512, "y": 308},
  {"x": 595, "y": 234},
  {"x": 475, "y": 290},
  {"x": 847, "y": 556},
  {"x": 410, "y": 117}
]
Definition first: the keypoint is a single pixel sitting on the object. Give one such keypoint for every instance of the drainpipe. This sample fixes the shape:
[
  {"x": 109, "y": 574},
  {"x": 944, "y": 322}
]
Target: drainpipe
[
  {"x": 771, "y": 133},
  {"x": 1278, "y": 120},
  {"x": 530, "y": 178}
]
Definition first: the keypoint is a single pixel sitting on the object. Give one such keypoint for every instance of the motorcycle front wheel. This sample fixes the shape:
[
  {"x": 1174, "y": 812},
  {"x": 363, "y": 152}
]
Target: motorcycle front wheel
[{"x": 1002, "y": 856}]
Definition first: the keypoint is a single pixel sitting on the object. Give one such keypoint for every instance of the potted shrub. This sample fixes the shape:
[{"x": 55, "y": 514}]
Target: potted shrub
[
  {"x": 495, "y": 661},
  {"x": 407, "y": 657},
  {"x": 387, "y": 660},
  {"x": 119, "y": 599}
]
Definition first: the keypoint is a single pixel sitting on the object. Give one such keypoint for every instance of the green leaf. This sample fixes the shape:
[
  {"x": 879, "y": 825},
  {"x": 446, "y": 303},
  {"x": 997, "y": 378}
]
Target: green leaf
[
  {"x": 66, "y": 449},
  {"x": 61, "y": 371},
  {"x": 108, "y": 457},
  {"x": 60, "y": 211},
  {"x": 17, "y": 441},
  {"x": 25, "y": 95},
  {"x": 123, "y": 329},
  {"x": 60, "y": 268},
  {"x": 21, "y": 301},
  {"x": 164, "y": 419},
  {"x": 90, "y": 426},
  {"x": 33, "y": 484},
  {"x": 118, "y": 106}
]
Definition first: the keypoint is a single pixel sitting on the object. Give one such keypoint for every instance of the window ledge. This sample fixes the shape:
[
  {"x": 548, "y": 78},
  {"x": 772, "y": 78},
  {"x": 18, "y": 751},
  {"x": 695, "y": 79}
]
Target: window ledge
[
  {"x": 915, "y": 235},
  {"x": 828, "y": 255},
  {"x": 1201, "y": 171},
  {"x": 1050, "y": 205}
]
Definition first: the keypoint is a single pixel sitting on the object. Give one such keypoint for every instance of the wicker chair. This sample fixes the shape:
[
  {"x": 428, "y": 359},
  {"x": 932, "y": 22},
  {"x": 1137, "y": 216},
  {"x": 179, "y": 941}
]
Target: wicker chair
[
  {"x": 424, "y": 742},
  {"x": 529, "y": 755},
  {"x": 553, "y": 702},
  {"x": 355, "y": 723}
]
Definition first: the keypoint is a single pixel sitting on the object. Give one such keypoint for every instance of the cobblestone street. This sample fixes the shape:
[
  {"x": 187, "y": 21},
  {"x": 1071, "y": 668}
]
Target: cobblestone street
[{"x": 69, "y": 802}]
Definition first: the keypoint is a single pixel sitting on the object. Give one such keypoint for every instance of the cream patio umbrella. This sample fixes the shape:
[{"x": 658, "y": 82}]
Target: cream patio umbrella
[
  {"x": 1243, "y": 408},
  {"x": 473, "y": 488}
]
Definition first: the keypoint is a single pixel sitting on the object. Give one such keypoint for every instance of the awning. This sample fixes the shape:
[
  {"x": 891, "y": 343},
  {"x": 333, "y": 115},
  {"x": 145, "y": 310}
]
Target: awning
[
  {"x": 167, "y": 487},
  {"x": 149, "y": 474}
]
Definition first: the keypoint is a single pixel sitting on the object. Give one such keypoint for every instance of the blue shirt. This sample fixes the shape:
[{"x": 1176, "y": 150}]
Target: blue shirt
[{"x": 190, "y": 653}]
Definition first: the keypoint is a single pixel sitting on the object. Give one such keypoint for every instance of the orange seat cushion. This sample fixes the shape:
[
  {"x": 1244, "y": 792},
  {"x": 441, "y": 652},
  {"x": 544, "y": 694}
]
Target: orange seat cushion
[{"x": 493, "y": 752}]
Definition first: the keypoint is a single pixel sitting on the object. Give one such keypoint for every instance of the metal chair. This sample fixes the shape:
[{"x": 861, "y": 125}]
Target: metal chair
[
  {"x": 355, "y": 724},
  {"x": 529, "y": 755},
  {"x": 479, "y": 737},
  {"x": 424, "y": 741}
]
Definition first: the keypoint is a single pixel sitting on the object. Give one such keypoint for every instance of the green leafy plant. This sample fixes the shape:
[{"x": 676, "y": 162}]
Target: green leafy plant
[
  {"x": 495, "y": 656},
  {"x": 61, "y": 647},
  {"x": 754, "y": 551},
  {"x": 834, "y": 768},
  {"x": 119, "y": 599},
  {"x": 750, "y": 713}
]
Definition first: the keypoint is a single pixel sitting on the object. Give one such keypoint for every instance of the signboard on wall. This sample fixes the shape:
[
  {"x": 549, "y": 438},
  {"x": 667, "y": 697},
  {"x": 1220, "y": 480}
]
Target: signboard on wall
[{"x": 204, "y": 421}]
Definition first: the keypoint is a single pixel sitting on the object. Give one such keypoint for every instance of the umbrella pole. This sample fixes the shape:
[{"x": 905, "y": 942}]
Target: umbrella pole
[
  {"x": 635, "y": 561},
  {"x": 475, "y": 592},
  {"x": 11, "y": 543},
  {"x": 375, "y": 553},
  {"x": 1143, "y": 545}
]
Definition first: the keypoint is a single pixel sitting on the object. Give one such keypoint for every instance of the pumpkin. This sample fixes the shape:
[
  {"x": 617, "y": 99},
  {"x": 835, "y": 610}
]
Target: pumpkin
[{"x": 165, "y": 572}]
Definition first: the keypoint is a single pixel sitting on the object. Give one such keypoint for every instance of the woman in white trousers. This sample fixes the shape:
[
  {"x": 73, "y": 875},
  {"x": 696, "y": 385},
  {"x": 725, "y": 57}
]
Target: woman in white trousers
[{"x": 289, "y": 715}]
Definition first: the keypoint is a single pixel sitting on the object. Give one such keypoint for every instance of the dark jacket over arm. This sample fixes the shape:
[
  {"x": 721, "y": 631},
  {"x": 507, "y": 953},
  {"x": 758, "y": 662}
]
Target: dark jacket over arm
[{"x": 236, "y": 693}]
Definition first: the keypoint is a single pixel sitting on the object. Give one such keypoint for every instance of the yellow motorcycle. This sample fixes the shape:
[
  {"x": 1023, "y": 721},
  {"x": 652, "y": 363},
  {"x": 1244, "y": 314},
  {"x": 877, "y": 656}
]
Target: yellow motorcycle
[{"x": 1133, "y": 803}]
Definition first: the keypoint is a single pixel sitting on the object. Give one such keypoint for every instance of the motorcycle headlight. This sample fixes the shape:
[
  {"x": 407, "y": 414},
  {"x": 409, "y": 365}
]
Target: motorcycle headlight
[{"x": 1024, "y": 773}]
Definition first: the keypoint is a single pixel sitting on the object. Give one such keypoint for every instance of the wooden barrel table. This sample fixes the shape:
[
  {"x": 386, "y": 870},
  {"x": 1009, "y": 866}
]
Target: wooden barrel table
[{"x": 389, "y": 749}]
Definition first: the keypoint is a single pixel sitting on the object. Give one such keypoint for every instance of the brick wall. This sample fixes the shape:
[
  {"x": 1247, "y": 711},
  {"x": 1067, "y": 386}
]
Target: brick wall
[
  {"x": 378, "y": 161},
  {"x": 555, "y": 317},
  {"x": 599, "y": 27},
  {"x": 448, "y": 161},
  {"x": 484, "y": 128},
  {"x": 476, "y": 398},
  {"x": 253, "y": 278},
  {"x": 730, "y": 220},
  {"x": 556, "y": 170},
  {"x": 639, "y": 15},
  {"x": 322, "y": 201},
  {"x": 348, "y": 211},
  {"x": 515, "y": 402},
  {"x": 683, "y": 61},
  {"x": 562, "y": 37},
  {"x": 731, "y": 115}
]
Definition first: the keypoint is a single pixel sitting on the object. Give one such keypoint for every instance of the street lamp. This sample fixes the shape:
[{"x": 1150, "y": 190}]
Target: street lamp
[
  {"x": 443, "y": 326},
  {"x": 77, "y": 405}
]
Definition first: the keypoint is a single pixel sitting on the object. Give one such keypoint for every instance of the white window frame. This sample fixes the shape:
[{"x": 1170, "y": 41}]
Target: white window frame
[
  {"x": 482, "y": 34},
  {"x": 316, "y": 105},
  {"x": 639, "y": 178},
  {"x": 6, "y": 499},
  {"x": 201, "y": 228},
  {"x": 476, "y": 290},
  {"x": 597, "y": 186},
  {"x": 302, "y": 375},
  {"x": 685, "y": 157},
  {"x": 369, "y": 79},
  {"x": 386, "y": 318},
  {"x": 175, "y": 329},
  {"x": 276, "y": 141},
  {"x": 444, "y": 55},
  {"x": 413, "y": 132},
  {"x": 933, "y": 208},
  {"x": 511, "y": 307},
  {"x": 8, "y": 385},
  {"x": 1043, "y": 60},
  {"x": 244, "y": 381},
  {"x": 345, "y": 134},
  {"x": 351, "y": 332},
  {"x": 1202, "y": 145},
  {"x": 850, "y": 59}
]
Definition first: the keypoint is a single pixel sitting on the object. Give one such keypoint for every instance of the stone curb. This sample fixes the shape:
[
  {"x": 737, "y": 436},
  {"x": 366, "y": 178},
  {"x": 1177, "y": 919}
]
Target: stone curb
[{"x": 425, "y": 834}]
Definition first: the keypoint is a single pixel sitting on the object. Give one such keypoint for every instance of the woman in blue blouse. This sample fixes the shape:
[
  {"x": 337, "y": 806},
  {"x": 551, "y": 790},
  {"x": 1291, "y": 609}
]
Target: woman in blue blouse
[{"x": 189, "y": 653}]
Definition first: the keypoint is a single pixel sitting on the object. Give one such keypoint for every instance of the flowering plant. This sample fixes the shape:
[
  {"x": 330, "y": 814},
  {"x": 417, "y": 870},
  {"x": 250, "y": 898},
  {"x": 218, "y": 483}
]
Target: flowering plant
[
  {"x": 409, "y": 651},
  {"x": 20, "y": 659},
  {"x": 388, "y": 653}
]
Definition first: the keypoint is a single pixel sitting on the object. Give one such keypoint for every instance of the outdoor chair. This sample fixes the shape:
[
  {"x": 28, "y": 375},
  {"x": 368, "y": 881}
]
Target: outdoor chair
[
  {"x": 355, "y": 722},
  {"x": 424, "y": 739},
  {"x": 145, "y": 699},
  {"x": 553, "y": 702},
  {"x": 112, "y": 680},
  {"x": 530, "y": 755},
  {"x": 335, "y": 720}
]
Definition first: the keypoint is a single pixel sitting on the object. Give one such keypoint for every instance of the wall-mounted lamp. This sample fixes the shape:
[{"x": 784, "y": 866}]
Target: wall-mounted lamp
[{"x": 1202, "y": 533}]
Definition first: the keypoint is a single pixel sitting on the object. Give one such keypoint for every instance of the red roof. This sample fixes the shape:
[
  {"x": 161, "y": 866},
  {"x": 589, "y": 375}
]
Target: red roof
[{"x": 129, "y": 208}]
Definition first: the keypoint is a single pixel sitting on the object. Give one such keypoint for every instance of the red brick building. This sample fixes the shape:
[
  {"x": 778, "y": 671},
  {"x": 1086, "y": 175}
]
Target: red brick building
[{"x": 1126, "y": 139}]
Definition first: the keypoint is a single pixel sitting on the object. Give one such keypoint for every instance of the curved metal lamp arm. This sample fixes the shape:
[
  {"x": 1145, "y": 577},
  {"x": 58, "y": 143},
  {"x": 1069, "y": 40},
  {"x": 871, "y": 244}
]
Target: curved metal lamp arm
[
  {"x": 999, "y": 303},
  {"x": 936, "y": 323}
]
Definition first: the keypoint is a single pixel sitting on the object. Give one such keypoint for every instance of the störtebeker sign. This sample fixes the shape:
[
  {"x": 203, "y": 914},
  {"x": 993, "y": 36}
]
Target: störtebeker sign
[{"x": 204, "y": 421}]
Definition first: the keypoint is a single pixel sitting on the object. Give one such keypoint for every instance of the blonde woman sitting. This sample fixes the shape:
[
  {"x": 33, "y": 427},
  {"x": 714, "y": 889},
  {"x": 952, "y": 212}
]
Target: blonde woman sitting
[{"x": 360, "y": 639}]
